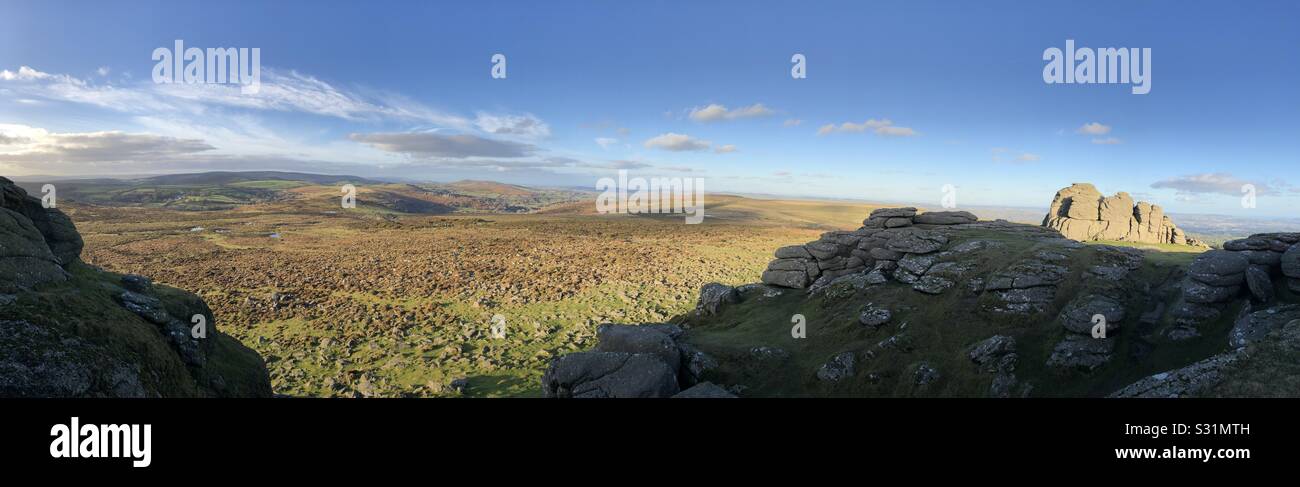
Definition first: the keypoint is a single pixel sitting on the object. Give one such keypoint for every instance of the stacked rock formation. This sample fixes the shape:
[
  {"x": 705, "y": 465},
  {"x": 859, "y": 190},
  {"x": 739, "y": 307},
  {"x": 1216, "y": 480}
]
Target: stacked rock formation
[
  {"x": 884, "y": 242},
  {"x": 1249, "y": 265},
  {"x": 1082, "y": 213}
]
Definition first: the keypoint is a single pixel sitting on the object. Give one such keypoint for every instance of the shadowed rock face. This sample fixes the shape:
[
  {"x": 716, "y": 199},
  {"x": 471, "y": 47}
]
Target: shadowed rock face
[
  {"x": 62, "y": 335},
  {"x": 38, "y": 242},
  {"x": 1080, "y": 212}
]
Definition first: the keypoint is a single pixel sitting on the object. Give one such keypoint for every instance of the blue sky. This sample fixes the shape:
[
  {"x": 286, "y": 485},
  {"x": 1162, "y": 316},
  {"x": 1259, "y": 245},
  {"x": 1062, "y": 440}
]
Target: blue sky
[{"x": 404, "y": 90}]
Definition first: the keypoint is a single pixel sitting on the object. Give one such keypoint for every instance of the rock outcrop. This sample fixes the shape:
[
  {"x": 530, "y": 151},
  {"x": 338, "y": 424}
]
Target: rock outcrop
[
  {"x": 1255, "y": 267},
  {"x": 892, "y": 243},
  {"x": 1082, "y": 213},
  {"x": 68, "y": 329},
  {"x": 633, "y": 361}
]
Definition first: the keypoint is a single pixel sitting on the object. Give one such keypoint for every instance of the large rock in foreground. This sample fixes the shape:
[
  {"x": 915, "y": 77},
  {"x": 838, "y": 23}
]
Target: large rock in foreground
[{"x": 68, "y": 329}]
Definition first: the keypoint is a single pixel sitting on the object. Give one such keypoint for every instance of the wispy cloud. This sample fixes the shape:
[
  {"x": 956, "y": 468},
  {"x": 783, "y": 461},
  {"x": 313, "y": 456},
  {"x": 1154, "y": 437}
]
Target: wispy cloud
[
  {"x": 677, "y": 143},
  {"x": 1093, "y": 128},
  {"x": 715, "y": 112},
  {"x": 1213, "y": 183},
  {"x": 438, "y": 145},
  {"x": 883, "y": 127}
]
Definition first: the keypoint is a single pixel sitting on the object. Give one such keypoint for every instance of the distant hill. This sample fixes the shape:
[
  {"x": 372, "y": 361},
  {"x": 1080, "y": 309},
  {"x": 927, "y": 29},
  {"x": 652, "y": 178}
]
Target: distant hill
[
  {"x": 223, "y": 190},
  {"x": 230, "y": 177}
]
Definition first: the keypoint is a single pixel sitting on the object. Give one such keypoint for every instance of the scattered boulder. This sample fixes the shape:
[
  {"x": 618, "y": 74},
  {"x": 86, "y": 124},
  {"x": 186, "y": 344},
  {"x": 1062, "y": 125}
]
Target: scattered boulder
[
  {"x": 874, "y": 317},
  {"x": 926, "y": 374},
  {"x": 640, "y": 340},
  {"x": 609, "y": 375},
  {"x": 1080, "y": 352},
  {"x": 838, "y": 368},
  {"x": 713, "y": 296}
]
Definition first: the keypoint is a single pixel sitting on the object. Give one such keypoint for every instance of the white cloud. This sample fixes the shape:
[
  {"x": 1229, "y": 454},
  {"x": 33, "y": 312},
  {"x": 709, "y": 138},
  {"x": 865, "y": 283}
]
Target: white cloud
[
  {"x": 793, "y": 122},
  {"x": 1212, "y": 183},
  {"x": 1107, "y": 141},
  {"x": 25, "y": 149},
  {"x": 526, "y": 125},
  {"x": 436, "y": 145},
  {"x": 677, "y": 143},
  {"x": 605, "y": 142},
  {"x": 715, "y": 112},
  {"x": 1093, "y": 128},
  {"x": 288, "y": 92},
  {"x": 884, "y": 128},
  {"x": 1028, "y": 157},
  {"x": 724, "y": 149}
]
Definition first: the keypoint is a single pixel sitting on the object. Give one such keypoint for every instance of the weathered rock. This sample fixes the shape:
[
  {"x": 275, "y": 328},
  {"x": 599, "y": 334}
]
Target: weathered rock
[
  {"x": 609, "y": 374},
  {"x": 881, "y": 253},
  {"x": 145, "y": 306},
  {"x": 822, "y": 250},
  {"x": 926, "y": 374},
  {"x": 988, "y": 354},
  {"x": 56, "y": 229},
  {"x": 1188, "y": 381},
  {"x": 1259, "y": 283},
  {"x": 1077, "y": 316},
  {"x": 1081, "y": 352},
  {"x": 37, "y": 361},
  {"x": 705, "y": 390},
  {"x": 839, "y": 367},
  {"x": 945, "y": 218},
  {"x": 907, "y": 212},
  {"x": 874, "y": 317},
  {"x": 916, "y": 264},
  {"x": 793, "y": 252},
  {"x": 1219, "y": 268},
  {"x": 1024, "y": 301},
  {"x": 639, "y": 339},
  {"x": 139, "y": 284},
  {"x": 918, "y": 242},
  {"x": 769, "y": 354},
  {"x": 933, "y": 284},
  {"x": 695, "y": 364},
  {"x": 1199, "y": 292},
  {"x": 790, "y": 279},
  {"x": 1080, "y": 212},
  {"x": 714, "y": 296},
  {"x": 1255, "y": 326},
  {"x": 1290, "y": 262}
]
